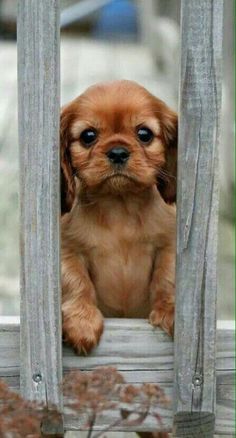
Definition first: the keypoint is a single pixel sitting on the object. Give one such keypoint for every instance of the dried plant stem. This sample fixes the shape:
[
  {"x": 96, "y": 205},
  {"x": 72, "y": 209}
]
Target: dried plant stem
[
  {"x": 118, "y": 422},
  {"x": 91, "y": 424},
  {"x": 122, "y": 422}
]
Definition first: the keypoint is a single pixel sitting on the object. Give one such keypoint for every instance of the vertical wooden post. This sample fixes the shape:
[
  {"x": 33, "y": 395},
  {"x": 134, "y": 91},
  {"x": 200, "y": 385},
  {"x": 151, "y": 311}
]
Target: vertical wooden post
[
  {"x": 195, "y": 328},
  {"x": 39, "y": 85}
]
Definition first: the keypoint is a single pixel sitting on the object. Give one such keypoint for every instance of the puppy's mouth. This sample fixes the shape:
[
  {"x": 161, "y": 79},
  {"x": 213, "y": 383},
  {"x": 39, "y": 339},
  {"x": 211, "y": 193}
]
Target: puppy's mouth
[
  {"x": 119, "y": 182},
  {"x": 119, "y": 176}
]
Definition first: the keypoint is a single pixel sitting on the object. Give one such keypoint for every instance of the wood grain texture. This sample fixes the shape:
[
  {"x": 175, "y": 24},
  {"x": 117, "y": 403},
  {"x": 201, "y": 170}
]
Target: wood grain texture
[
  {"x": 142, "y": 354},
  {"x": 200, "y": 101},
  {"x": 38, "y": 110}
]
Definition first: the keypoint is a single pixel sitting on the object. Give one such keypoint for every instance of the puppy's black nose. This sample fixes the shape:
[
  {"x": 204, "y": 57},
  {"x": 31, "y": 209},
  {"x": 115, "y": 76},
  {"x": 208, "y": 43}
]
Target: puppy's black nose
[{"x": 118, "y": 155}]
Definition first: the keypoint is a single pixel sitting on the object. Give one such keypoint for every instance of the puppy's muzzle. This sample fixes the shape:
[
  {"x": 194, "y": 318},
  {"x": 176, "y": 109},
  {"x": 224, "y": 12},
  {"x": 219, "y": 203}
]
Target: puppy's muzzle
[{"x": 118, "y": 155}]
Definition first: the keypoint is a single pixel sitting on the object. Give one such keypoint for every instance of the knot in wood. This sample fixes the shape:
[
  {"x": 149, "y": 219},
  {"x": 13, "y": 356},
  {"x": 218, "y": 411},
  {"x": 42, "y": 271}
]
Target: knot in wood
[
  {"x": 37, "y": 377},
  {"x": 197, "y": 380}
]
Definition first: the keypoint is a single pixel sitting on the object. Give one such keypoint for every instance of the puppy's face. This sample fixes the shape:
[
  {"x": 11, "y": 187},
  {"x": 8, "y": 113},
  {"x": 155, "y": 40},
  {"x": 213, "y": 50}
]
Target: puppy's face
[{"x": 115, "y": 138}]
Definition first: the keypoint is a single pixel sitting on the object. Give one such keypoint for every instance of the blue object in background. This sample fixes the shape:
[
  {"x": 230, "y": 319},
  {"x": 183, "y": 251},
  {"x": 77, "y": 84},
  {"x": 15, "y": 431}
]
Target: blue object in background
[{"x": 118, "y": 20}]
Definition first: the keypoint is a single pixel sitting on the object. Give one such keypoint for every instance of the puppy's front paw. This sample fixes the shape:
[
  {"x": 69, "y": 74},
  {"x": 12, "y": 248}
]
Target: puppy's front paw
[
  {"x": 83, "y": 330},
  {"x": 163, "y": 316}
]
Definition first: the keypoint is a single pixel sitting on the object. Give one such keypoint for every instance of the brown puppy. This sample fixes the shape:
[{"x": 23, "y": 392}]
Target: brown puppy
[{"x": 118, "y": 144}]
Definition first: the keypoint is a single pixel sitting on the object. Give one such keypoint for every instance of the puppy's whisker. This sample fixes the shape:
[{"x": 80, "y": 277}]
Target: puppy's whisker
[
  {"x": 167, "y": 174},
  {"x": 163, "y": 176}
]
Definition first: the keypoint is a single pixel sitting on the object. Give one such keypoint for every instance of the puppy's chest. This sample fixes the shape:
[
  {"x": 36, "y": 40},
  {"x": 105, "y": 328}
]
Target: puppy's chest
[{"x": 120, "y": 261}]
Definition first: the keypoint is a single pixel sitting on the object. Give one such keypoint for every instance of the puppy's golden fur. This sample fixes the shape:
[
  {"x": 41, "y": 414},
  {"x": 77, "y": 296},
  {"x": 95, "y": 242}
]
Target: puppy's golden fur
[{"x": 118, "y": 235}]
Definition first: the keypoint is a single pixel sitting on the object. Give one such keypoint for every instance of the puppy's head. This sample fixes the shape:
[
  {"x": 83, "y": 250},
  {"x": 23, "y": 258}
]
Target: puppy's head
[{"x": 117, "y": 137}]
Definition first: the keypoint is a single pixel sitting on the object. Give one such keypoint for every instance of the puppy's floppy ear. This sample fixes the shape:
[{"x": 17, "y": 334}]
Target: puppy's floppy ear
[
  {"x": 67, "y": 179},
  {"x": 167, "y": 180}
]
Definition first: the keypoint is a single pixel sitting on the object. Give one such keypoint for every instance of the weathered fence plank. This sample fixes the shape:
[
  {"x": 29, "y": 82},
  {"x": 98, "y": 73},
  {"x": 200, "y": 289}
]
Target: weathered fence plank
[
  {"x": 123, "y": 346},
  {"x": 200, "y": 101},
  {"x": 38, "y": 80}
]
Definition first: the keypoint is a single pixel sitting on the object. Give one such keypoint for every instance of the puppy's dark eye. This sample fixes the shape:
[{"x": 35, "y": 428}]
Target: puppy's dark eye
[
  {"x": 145, "y": 135},
  {"x": 88, "y": 137}
]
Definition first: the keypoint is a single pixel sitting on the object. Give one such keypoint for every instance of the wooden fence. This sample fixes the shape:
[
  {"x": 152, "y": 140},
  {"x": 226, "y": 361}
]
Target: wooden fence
[{"x": 197, "y": 371}]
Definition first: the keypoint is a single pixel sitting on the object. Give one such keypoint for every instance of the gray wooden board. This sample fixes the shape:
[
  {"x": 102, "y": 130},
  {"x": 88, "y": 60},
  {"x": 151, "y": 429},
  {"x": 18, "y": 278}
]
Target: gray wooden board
[
  {"x": 197, "y": 209},
  {"x": 142, "y": 354},
  {"x": 38, "y": 113}
]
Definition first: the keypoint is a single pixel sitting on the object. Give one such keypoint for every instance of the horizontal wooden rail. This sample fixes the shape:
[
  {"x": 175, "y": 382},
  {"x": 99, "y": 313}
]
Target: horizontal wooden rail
[{"x": 142, "y": 354}]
